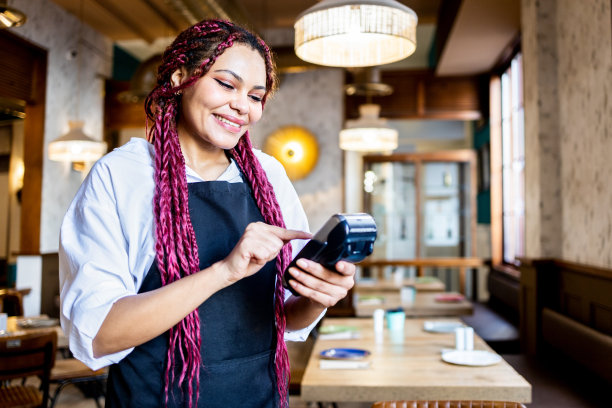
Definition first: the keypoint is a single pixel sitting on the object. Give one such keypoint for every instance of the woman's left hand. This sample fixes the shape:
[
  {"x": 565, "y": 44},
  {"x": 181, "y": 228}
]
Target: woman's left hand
[{"x": 323, "y": 286}]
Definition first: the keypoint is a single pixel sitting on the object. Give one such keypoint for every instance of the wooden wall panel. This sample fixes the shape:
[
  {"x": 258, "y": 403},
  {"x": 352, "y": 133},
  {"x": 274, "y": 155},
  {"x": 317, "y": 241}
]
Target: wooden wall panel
[{"x": 422, "y": 95}]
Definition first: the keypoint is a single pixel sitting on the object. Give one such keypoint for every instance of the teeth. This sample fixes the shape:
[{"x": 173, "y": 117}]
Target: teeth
[{"x": 227, "y": 121}]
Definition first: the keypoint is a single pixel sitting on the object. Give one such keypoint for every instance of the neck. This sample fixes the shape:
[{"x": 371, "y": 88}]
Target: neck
[{"x": 205, "y": 159}]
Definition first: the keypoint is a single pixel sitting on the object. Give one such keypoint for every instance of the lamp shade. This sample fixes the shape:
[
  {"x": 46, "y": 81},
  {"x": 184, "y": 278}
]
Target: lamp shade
[
  {"x": 355, "y": 33},
  {"x": 10, "y": 17},
  {"x": 369, "y": 133},
  {"x": 76, "y": 146}
]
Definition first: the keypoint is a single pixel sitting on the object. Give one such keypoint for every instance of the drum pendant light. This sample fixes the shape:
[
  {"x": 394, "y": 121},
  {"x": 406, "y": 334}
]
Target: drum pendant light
[
  {"x": 355, "y": 33},
  {"x": 75, "y": 146},
  {"x": 369, "y": 133}
]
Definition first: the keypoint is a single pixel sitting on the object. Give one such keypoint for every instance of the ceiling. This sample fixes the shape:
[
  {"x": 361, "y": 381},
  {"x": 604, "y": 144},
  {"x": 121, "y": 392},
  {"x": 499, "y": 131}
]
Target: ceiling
[{"x": 477, "y": 33}]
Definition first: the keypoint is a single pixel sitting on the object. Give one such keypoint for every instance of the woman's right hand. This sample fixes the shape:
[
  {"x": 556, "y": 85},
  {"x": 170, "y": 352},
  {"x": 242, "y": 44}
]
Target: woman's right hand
[{"x": 259, "y": 244}]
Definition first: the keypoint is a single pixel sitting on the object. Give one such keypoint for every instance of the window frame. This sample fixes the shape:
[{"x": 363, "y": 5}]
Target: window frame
[{"x": 507, "y": 172}]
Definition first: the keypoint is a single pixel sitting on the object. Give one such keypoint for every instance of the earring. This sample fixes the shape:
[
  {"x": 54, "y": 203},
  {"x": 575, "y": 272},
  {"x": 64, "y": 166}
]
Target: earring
[{"x": 179, "y": 92}]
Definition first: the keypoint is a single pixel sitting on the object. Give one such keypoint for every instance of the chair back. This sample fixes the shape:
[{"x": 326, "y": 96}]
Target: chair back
[
  {"x": 11, "y": 302},
  {"x": 30, "y": 354},
  {"x": 447, "y": 404}
]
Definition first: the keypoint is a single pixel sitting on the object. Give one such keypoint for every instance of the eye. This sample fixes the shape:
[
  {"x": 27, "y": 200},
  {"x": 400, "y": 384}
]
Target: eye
[
  {"x": 256, "y": 98},
  {"x": 224, "y": 84}
]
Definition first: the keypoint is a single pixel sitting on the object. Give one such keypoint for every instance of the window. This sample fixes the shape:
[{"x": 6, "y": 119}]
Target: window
[{"x": 508, "y": 138}]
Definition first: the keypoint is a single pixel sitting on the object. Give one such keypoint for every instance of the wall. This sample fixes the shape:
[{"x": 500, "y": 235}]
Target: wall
[
  {"x": 567, "y": 84},
  {"x": 313, "y": 99},
  {"x": 75, "y": 89}
]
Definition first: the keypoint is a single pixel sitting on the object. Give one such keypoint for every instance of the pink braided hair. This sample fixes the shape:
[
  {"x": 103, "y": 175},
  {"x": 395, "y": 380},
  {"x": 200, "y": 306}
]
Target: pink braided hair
[{"x": 176, "y": 248}]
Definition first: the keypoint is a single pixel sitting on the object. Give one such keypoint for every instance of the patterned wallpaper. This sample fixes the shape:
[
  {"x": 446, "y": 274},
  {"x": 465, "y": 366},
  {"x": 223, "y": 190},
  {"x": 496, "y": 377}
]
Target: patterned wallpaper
[
  {"x": 568, "y": 117},
  {"x": 313, "y": 99},
  {"x": 75, "y": 90}
]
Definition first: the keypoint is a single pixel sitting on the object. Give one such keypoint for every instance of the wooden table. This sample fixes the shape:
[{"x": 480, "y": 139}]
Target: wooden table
[
  {"x": 424, "y": 305},
  {"x": 407, "y": 368},
  {"x": 12, "y": 327},
  {"x": 388, "y": 285},
  {"x": 461, "y": 263}
]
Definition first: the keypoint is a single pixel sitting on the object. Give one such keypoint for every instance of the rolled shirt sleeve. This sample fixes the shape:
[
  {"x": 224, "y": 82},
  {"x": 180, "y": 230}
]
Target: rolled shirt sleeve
[{"x": 94, "y": 267}]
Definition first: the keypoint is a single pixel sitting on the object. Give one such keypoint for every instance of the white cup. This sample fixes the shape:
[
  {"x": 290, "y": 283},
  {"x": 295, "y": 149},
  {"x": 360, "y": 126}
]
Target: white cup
[
  {"x": 459, "y": 338},
  {"x": 379, "y": 320},
  {"x": 469, "y": 338},
  {"x": 395, "y": 320},
  {"x": 464, "y": 338}
]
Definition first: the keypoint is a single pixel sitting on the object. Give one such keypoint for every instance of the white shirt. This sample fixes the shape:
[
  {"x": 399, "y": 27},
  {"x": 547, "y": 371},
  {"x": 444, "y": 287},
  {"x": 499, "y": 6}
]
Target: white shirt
[{"x": 107, "y": 239}]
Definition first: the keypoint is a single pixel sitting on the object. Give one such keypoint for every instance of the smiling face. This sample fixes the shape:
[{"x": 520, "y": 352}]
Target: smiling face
[{"x": 224, "y": 103}]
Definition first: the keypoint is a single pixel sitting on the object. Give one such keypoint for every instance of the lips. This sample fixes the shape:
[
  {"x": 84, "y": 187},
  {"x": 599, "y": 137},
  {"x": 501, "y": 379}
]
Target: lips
[{"x": 231, "y": 124}]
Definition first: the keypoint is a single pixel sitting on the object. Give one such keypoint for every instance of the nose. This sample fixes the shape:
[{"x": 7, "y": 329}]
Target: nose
[{"x": 240, "y": 103}]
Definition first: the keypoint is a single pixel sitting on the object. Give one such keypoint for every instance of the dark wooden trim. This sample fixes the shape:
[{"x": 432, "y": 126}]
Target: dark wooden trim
[
  {"x": 459, "y": 155},
  {"x": 447, "y": 14},
  {"x": 580, "y": 268},
  {"x": 506, "y": 56}
]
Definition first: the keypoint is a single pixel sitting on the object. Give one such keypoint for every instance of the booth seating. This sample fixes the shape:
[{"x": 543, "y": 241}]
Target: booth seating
[{"x": 566, "y": 308}]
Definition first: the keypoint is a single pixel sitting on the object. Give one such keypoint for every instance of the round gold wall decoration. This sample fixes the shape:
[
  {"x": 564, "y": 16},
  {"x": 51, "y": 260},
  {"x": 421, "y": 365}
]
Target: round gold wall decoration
[{"x": 296, "y": 148}]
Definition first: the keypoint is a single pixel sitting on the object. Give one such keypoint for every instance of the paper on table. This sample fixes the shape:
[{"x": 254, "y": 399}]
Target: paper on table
[
  {"x": 343, "y": 365},
  {"x": 340, "y": 335}
]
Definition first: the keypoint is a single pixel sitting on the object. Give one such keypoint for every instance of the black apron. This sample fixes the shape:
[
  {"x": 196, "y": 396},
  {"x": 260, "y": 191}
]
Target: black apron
[{"x": 237, "y": 323}]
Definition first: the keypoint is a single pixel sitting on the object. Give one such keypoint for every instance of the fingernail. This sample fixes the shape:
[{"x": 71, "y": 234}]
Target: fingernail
[
  {"x": 295, "y": 272},
  {"x": 302, "y": 263}
]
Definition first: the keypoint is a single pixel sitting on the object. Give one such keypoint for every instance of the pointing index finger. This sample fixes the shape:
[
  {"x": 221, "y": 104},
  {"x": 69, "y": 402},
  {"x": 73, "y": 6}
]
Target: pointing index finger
[{"x": 288, "y": 234}]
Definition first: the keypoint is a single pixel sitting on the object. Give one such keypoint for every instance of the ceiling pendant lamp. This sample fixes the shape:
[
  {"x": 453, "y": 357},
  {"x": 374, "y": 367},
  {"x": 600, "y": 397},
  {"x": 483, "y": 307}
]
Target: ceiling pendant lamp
[
  {"x": 355, "y": 33},
  {"x": 10, "y": 17},
  {"x": 75, "y": 146},
  {"x": 369, "y": 133}
]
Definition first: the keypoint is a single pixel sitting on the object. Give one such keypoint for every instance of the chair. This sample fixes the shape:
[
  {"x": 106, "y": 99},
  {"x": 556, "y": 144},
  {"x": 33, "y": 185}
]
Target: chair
[
  {"x": 447, "y": 404},
  {"x": 21, "y": 356},
  {"x": 72, "y": 371},
  {"x": 11, "y": 302}
]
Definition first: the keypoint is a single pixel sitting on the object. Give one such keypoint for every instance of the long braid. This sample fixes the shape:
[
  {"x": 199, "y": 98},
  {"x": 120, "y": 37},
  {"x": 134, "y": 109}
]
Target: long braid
[
  {"x": 176, "y": 248},
  {"x": 270, "y": 210}
]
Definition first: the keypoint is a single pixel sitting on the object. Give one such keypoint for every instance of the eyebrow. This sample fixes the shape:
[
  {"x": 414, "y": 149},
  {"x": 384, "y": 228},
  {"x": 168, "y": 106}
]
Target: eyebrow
[{"x": 239, "y": 78}]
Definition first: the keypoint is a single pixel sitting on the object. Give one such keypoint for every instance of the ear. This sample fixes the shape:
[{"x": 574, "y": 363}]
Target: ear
[{"x": 178, "y": 77}]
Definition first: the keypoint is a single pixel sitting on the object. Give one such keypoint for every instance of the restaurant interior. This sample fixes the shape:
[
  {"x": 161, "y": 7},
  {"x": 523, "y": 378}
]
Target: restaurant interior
[{"x": 478, "y": 140}]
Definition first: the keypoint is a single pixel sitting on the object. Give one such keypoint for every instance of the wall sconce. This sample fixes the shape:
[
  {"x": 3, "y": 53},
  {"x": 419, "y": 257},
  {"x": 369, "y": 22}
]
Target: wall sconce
[
  {"x": 10, "y": 17},
  {"x": 76, "y": 147},
  {"x": 296, "y": 148}
]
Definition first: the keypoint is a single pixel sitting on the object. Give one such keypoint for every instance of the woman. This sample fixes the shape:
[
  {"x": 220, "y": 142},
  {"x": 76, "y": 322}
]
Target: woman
[{"x": 171, "y": 254}]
